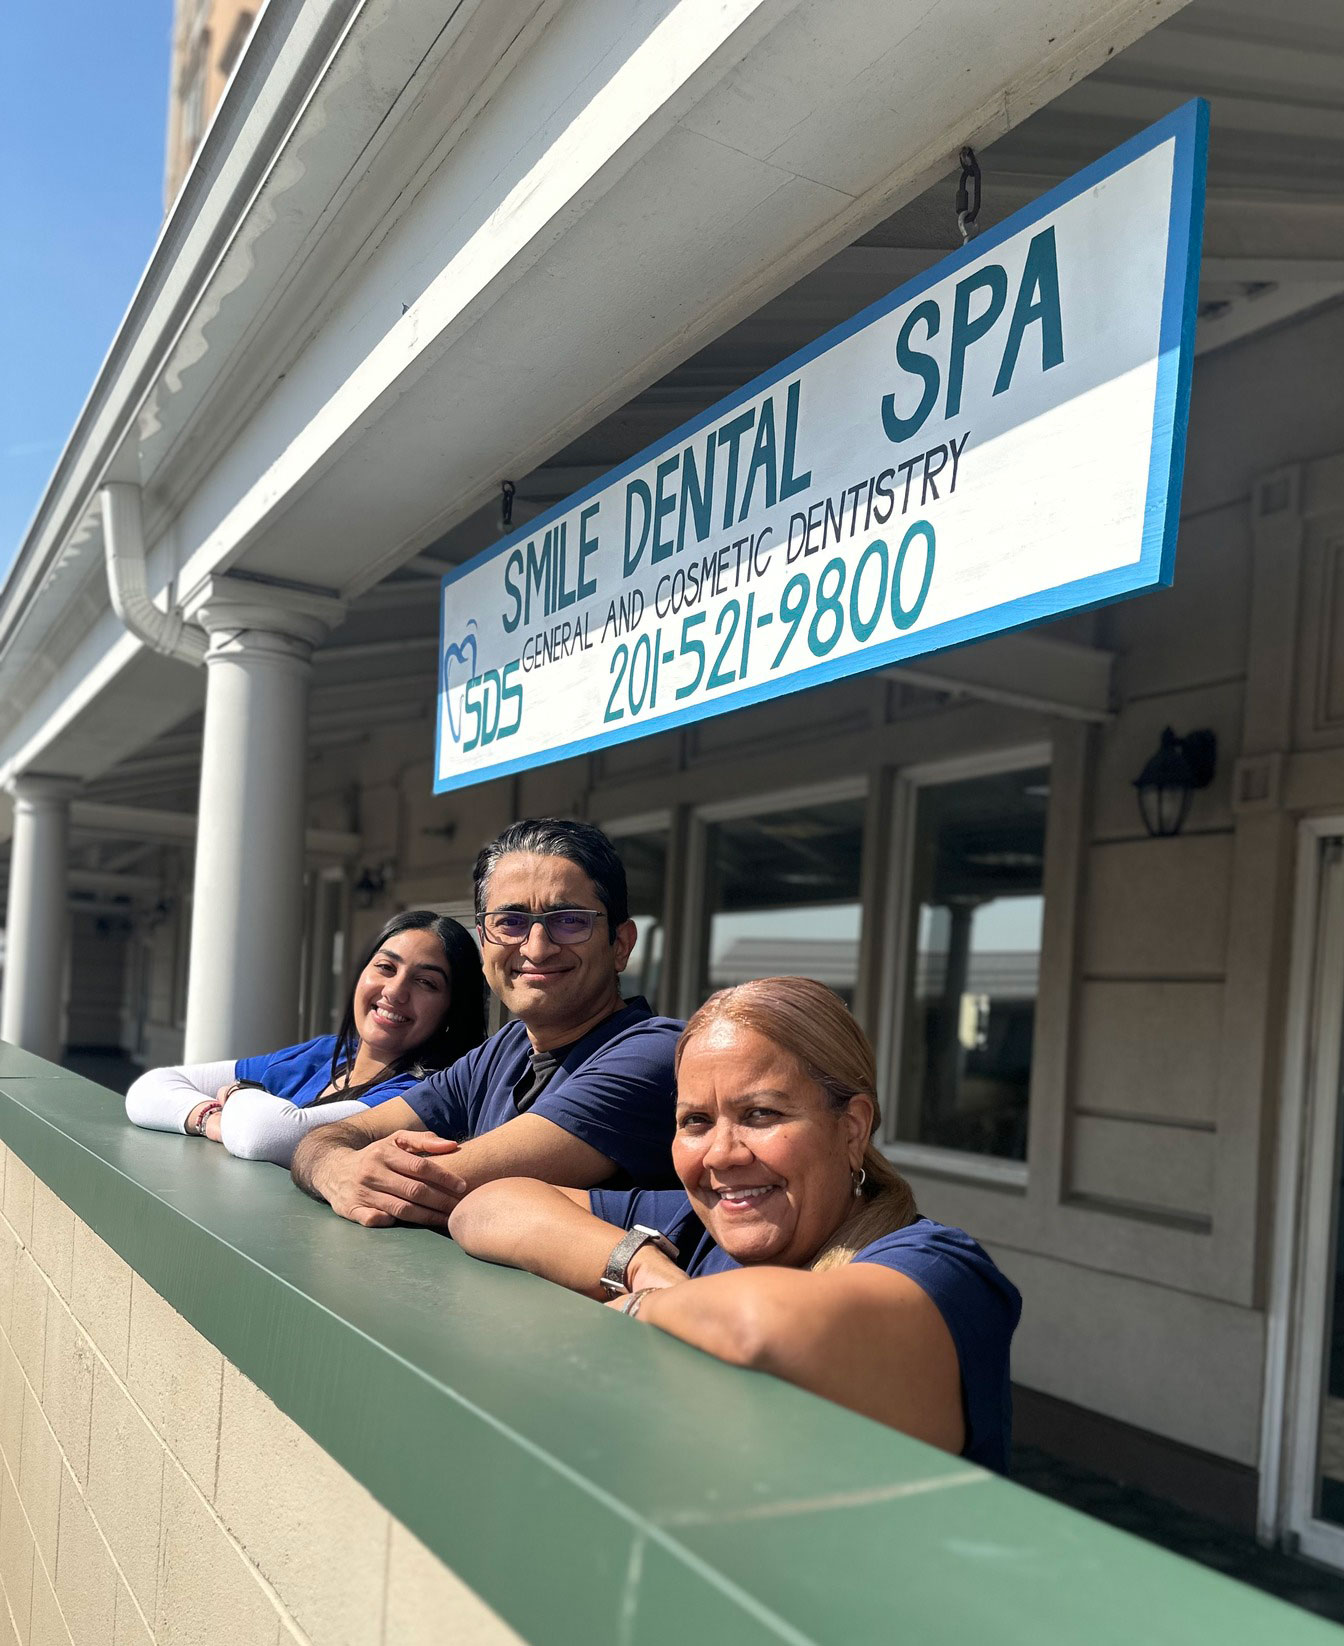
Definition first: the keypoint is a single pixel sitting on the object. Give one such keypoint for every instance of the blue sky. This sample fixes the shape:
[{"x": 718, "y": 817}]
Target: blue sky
[{"x": 83, "y": 111}]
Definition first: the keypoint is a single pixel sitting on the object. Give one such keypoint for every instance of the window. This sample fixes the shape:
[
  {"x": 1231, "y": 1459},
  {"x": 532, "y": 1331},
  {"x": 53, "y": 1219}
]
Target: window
[
  {"x": 233, "y": 46},
  {"x": 325, "y": 962},
  {"x": 644, "y": 853},
  {"x": 782, "y": 896},
  {"x": 972, "y": 961},
  {"x": 193, "y": 110}
]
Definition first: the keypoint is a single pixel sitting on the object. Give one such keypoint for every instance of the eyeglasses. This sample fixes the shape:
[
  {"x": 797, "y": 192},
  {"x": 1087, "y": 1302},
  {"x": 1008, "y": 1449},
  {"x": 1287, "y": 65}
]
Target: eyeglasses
[{"x": 562, "y": 926}]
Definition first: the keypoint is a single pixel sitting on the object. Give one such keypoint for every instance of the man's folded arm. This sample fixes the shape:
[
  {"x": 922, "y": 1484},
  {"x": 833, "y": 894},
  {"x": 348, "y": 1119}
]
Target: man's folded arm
[
  {"x": 531, "y": 1146},
  {"x": 387, "y": 1167},
  {"x": 328, "y": 1154}
]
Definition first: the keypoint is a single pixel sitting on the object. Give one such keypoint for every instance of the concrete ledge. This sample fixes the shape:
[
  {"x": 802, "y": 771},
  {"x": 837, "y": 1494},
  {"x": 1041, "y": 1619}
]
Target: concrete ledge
[{"x": 396, "y": 1443}]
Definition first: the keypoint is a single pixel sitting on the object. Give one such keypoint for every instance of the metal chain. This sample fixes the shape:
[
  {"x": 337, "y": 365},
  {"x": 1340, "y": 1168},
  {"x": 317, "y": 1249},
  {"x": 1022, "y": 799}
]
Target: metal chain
[{"x": 968, "y": 202}]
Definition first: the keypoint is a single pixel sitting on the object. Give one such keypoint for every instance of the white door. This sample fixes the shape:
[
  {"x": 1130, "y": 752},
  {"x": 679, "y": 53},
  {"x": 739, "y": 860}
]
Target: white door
[{"x": 1309, "y": 1434}]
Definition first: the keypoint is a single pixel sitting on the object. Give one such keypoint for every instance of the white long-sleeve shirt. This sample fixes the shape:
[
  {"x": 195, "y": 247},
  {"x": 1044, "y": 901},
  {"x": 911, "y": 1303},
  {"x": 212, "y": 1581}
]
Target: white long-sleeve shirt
[{"x": 254, "y": 1125}]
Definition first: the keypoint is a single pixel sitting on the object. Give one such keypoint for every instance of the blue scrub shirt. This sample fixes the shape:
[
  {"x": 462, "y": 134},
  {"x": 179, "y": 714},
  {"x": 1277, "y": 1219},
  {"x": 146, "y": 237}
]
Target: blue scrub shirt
[
  {"x": 613, "y": 1090},
  {"x": 302, "y": 1073},
  {"x": 979, "y": 1304}
]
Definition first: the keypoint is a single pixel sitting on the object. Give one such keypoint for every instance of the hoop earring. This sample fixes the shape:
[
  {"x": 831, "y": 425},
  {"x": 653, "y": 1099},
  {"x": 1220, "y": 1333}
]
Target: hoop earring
[{"x": 860, "y": 1178}]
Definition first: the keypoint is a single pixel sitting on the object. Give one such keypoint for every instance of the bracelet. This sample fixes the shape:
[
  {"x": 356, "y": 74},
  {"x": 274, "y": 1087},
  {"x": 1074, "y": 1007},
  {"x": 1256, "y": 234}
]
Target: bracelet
[
  {"x": 206, "y": 1111},
  {"x": 630, "y": 1305}
]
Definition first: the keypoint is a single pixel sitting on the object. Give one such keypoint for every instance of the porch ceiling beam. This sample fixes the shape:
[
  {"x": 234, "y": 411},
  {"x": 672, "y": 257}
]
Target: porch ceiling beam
[
  {"x": 375, "y": 299},
  {"x": 148, "y": 823},
  {"x": 1027, "y": 671},
  {"x": 359, "y": 651},
  {"x": 898, "y": 263},
  {"x": 420, "y": 416},
  {"x": 100, "y": 881}
]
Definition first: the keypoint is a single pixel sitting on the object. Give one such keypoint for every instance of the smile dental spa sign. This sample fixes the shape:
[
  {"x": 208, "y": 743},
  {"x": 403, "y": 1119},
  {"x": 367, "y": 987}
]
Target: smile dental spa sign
[{"x": 994, "y": 444}]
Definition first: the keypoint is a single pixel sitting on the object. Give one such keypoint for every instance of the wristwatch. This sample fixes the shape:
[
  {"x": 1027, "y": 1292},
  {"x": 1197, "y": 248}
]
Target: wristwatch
[{"x": 618, "y": 1264}]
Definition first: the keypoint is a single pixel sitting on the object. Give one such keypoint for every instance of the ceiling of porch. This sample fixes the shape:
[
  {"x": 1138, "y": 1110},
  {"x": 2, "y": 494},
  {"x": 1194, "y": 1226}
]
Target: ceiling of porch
[{"x": 1274, "y": 248}]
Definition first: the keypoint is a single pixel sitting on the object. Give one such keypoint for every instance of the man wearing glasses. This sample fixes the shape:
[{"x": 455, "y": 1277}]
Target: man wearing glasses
[{"x": 577, "y": 1090}]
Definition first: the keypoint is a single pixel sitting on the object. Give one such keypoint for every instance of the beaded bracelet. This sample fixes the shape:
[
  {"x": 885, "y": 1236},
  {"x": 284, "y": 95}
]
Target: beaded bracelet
[{"x": 206, "y": 1111}]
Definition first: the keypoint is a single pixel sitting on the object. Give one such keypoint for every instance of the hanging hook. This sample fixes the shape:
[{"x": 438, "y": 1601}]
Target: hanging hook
[
  {"x": 968, "y": 202},
  {"x": 506, "y": 491}
]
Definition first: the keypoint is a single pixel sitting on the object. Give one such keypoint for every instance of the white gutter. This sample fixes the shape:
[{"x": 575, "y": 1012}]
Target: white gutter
[{"x": 162, "y": 631}]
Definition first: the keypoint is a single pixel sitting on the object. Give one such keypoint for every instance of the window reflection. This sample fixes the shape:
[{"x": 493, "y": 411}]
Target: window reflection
[
  {"x": 783, "y": 897},
  {"x": 645, "y": 859},
  {"x": 973, "y": 963}
]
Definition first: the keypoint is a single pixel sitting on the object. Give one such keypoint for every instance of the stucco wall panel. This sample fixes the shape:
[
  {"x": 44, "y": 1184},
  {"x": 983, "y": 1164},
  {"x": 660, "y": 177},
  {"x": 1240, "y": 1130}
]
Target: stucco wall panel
[
  {"x": 1135, "y": 1163},
  {"x": 1139, "y": 1351},
  {"x": 1150, "y": 1049},
  {"x": 1158, "y": 908},
  {"x": 1195, "y": 632},
  {"x": 1135, "y": 737},
  {"x": 1279, "y": 419}
]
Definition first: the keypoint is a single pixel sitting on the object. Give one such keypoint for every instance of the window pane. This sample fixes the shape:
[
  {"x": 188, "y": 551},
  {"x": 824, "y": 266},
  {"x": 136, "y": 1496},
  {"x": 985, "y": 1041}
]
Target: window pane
[
  {"x": 645, "y": 859},
  {"x": 783, "y": 897},
  {"x": 973, "y": 963}
]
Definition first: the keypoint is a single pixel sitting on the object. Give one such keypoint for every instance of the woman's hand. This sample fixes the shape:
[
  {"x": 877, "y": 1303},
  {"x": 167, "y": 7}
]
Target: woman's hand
[
  {"x": 651, "y": 1270},
  {"x": 210, "y": 1110}
]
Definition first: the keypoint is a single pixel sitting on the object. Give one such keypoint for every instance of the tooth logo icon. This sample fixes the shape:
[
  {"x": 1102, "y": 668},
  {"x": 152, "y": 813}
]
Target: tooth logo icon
[{"x": 457, "y": 653}]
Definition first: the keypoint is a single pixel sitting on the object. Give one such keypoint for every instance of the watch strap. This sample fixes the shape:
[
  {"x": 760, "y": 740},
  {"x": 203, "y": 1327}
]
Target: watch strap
[{"x": 614, "y": 1275}]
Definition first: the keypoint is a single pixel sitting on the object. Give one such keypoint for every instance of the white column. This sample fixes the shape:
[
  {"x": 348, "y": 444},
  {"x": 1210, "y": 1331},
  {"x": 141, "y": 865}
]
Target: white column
[
  {"x": 247, "y": 912},
  {"x": 37, "y": 924}
]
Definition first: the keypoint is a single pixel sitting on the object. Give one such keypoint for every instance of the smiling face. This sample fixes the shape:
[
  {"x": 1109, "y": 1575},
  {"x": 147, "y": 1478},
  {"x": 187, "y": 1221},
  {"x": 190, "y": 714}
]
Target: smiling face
[
  {"x": 402, "y": 996},
  {"x": 559, "y": 991},
  {"x": 767, "y": 1162}
]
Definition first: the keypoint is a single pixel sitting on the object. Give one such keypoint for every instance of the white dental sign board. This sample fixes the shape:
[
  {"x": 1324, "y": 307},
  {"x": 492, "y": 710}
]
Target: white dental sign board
[{"x": 995, "y": 443}]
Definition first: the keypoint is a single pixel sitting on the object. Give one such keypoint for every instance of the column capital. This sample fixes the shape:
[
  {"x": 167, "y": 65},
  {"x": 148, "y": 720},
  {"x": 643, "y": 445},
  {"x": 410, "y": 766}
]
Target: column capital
[
  {"x": 41, "y": 788},
  {"x": 233, "y": 606}
]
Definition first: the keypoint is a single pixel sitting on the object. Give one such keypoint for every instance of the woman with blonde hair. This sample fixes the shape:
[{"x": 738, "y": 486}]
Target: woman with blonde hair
[{"x": 796, "y": 1247}]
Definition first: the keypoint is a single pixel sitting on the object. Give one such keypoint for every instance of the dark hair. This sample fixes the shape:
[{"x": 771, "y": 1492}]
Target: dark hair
[
  {"x": 464, "y": 1026},
  {"x": 583, "y": 844}
]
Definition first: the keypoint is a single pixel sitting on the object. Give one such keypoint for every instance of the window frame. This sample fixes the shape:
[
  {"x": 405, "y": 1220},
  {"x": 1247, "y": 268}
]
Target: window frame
[
  {"x": 897, "y": 913},
  {"x": 695, "y": 914},
  {"x": 659, "y": 820}
]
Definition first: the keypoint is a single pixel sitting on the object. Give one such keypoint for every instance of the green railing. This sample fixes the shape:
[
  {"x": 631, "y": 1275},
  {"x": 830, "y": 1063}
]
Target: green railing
[{"x": 595, "y": 1481}]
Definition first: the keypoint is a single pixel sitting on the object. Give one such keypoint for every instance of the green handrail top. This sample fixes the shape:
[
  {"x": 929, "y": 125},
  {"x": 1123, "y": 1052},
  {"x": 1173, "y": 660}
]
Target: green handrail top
[{"x": 595, "y": 1481}]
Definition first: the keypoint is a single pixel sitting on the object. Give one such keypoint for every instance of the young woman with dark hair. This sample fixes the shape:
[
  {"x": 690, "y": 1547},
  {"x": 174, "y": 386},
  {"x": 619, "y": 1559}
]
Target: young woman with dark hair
[{"x": 416, "y": 1004}]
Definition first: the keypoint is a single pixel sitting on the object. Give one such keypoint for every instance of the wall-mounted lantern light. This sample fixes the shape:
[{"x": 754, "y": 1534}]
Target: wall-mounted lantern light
[
  {"x": 372, "y": 883},
  {"x": 1167, "y": 783}
]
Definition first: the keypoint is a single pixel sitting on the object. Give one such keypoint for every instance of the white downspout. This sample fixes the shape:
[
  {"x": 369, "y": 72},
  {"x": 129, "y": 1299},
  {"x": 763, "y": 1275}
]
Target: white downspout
[{"x": 124, "y": 550}]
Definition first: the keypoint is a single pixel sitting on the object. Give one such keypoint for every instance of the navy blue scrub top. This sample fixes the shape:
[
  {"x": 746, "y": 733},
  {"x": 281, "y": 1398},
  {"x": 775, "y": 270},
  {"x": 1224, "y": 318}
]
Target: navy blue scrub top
[
  {"x": 979, "y": 1304},
  {"x": 613, "y": 1090}
]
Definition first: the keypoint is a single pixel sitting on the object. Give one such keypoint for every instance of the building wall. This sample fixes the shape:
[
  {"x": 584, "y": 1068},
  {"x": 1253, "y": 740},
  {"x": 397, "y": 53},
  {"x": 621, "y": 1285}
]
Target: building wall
[
  {"x": 1139, "y": 1236},
  {"x": 208, "y": 37},
  {"x": 130, "y": 1457}
]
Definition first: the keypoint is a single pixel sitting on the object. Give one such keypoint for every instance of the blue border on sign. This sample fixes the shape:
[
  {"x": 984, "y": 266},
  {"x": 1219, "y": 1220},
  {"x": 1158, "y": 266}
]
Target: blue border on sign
[{"x": 1188, "y": 128}]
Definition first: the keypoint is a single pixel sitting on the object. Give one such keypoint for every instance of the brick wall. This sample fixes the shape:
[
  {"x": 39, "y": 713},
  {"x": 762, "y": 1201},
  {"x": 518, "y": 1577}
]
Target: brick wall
[{"x": 150, "y": 1492}]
